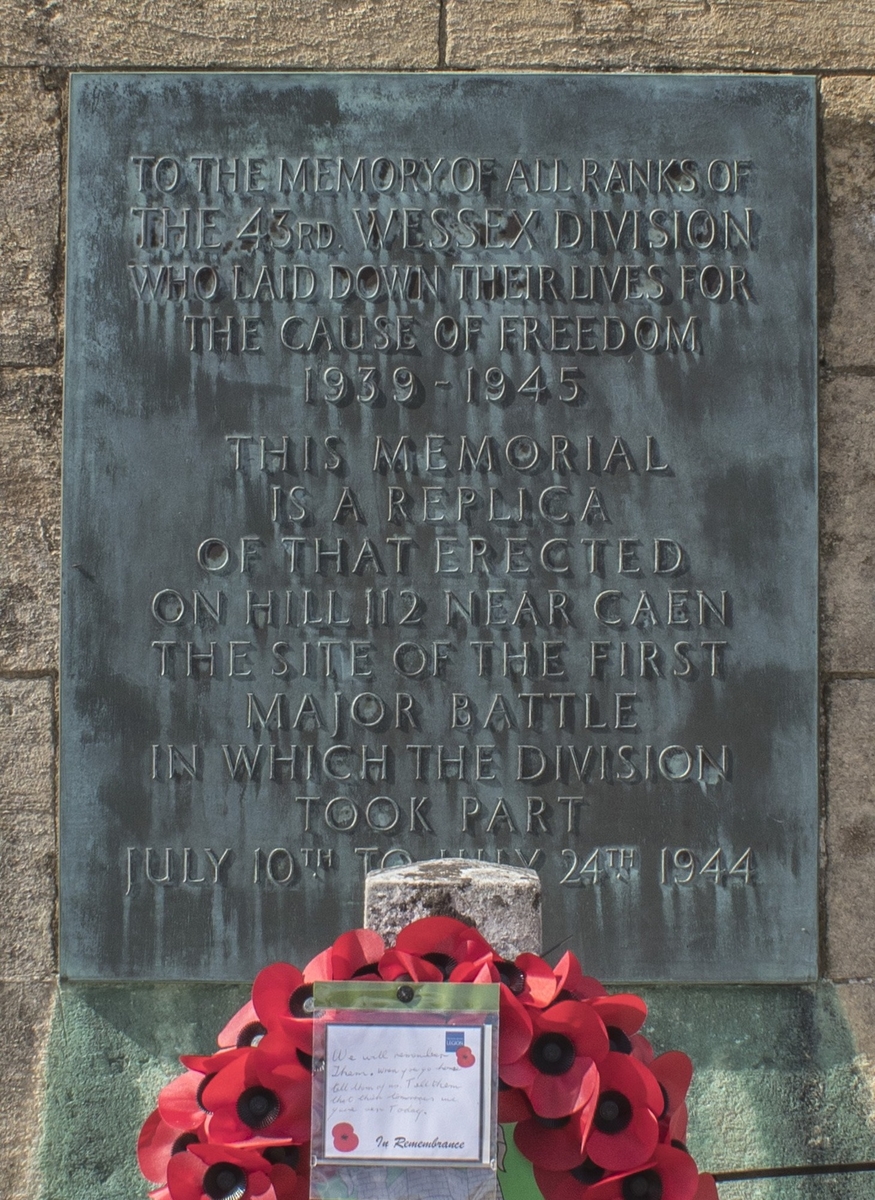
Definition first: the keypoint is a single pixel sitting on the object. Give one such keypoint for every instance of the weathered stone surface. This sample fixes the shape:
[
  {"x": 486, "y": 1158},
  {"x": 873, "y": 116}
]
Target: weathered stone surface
[
  {"x": 778, "y": 1079},
  {"x": 27, "y": 830},
  {"x": 850, "y": 839},
  {"x": 847, "y": 283},
  {"x": 26, "y": 750},
  {"x": 25, "y": 1016},
  {"x": 858, "y": 1004},
  {"x": 847, "y": 475},
  {"x": 111, "y": 1050},
  {"x": 503, "y": 902},
  {"x": 725, "y": 35},
  {"x": 30, "y": 501},
  {"x": 30, "y": 189},
  {"x": 845, "y": 1186},
  {"x": 330, "y": 34}
]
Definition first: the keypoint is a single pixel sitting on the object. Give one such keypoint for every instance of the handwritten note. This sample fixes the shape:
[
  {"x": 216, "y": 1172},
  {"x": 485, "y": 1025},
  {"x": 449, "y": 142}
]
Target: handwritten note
[{"x": 407, "y": 1093}]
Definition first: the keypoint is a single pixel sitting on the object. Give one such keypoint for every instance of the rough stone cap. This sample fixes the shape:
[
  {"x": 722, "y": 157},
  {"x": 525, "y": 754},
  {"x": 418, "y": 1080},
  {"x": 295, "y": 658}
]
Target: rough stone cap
[{"x": 503, "y": 902}]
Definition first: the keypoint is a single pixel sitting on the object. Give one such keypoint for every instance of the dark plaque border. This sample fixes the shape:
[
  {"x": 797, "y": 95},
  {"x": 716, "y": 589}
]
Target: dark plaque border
[{"x": 700, "y": 764}]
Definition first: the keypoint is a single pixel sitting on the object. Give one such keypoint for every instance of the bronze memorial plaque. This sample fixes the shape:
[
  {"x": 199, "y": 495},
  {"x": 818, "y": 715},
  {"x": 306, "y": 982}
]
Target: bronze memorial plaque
[{"x": 440, "y": 480}]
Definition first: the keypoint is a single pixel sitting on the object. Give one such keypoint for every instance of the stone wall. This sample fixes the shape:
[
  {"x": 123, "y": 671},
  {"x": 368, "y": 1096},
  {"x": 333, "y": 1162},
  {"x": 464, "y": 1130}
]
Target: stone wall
[{"x": 786, "y": 1075}]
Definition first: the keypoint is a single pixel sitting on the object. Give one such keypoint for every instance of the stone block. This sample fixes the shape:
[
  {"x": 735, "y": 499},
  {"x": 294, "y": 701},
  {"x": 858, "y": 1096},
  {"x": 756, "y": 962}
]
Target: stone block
[
  {"x": 847, "y": 539},
  {"x": 27, "y": 830},
  {"x": 27, "y": 749},
  {"x": 30, "y": 504},
  {"x": 847, "y": 252},
  {"x": 850, "y": 830},
  {"x": 858, "y": 1004},
  {"x": 30, "y": 191},
  {"x": 25, "y": 1016},
  {"x": 112, "y": 1048},
  {"x": 727, "y": 35},
  {"x": 503, "y": 902},
  {"x": 325, "y": 34},
  {"x": 779, "y": 1081}
]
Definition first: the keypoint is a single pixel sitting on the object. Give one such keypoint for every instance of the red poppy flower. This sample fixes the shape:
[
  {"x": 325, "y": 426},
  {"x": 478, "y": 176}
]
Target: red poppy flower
[
  {"x": 345, "y": 1137},
  {"x": 540, "y": 985},
  {"x": 209, "y": 1064},
  {"x": 395, "y": 965},
  {"x": 528, "y": 978},
  {"x": 278, "y": 1051},
  {"x": 465, "y": 1056},
  {"x": 641, "y": 1049},
  {"x": 668, "y": 1175},
  {"x": 707, "y": 1189},
  {"x": 573, "y": 1184},
  {"x": 158, "y": 1142},
  {"x": 555, "y": 1143},
  {"x": 283, "y": 1001},
  {"x": 244, "y": 1029},
  {"x": 227, "y": 1173},
  {"x": 180, "y": 1102},
  {"x": 559, "y": 1073},
  {"x": 674, "y": 1073},
  {"x": 513, "y": 1105},
  {"x": 443, "y": 941},
  {"x": 571, "y": 982},
  {"x": 515, "y": 1028},
  {"x": 514, "y": 1020},
  {"x": 625, "y": 1129},
  {"x": 479, "y": 970},
  {"x": 247, "y": 1100},
  {"x": 623, "y": 1016},
  {"x": 289, "y": 1170},
  {"x": 354, "y": 955},
  {"x": 675, "y": 1133}
]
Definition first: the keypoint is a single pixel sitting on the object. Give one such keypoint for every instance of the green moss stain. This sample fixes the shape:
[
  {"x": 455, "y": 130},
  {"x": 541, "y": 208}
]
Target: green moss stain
[{"x": 776, "y": 1082}]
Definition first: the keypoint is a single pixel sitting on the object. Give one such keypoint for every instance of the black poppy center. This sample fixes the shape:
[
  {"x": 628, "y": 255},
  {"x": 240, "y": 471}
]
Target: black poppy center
[
  {"x": 251, "y": 1034},
  {"x": 587, "y": 1172},
  {"x": 646, "y": 1185},
  {"x": 367, "y": 969},
  {"x": 613, "y": 1114},
  {"x": 443, "y": 962},
  {"x": 199, "y": 1096},
  {"x": 665, "y": 1102},
  {"x": 510, "y": 975},
  {"x": 183, "y": 1142},
  {"x": 225, "y": 1181},
  {"x": 619, "y": 1040},
  {"x": 258, "y": 1107},
  {"x": 286, "y": 1156},
  {"x": 552, "y": 1053},
  {"x": 298, "y": 1001},
  {"x": 552, "y": 1122},
  {"x": 306, "y": 1060}
]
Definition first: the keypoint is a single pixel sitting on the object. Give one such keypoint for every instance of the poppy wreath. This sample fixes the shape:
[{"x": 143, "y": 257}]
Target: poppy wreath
[{"x": 599, "y": 1116}]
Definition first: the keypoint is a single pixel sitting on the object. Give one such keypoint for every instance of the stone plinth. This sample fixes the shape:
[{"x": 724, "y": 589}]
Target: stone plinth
[{"x": 503, "y": 902}]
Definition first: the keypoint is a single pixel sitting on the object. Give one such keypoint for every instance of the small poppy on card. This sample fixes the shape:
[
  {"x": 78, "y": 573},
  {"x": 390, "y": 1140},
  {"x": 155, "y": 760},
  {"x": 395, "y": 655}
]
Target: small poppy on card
[
  {"x": 465, "y": 1057},
  {"x": 345, "y": 1138}
]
